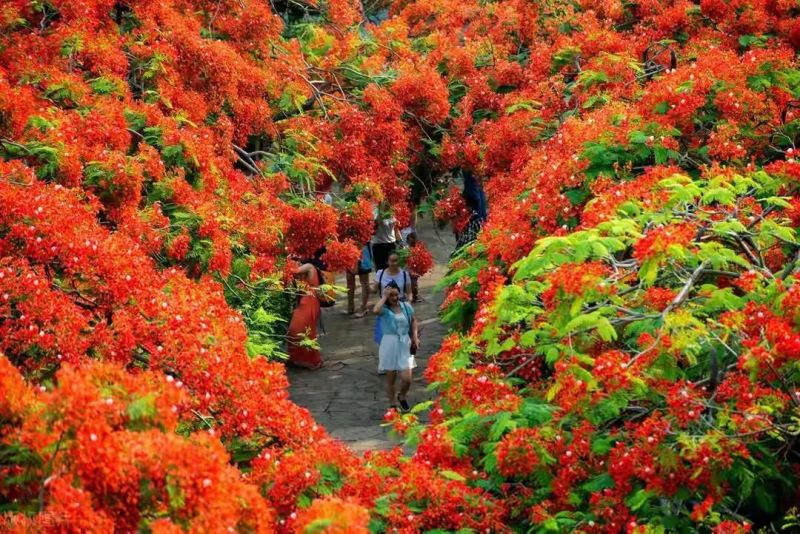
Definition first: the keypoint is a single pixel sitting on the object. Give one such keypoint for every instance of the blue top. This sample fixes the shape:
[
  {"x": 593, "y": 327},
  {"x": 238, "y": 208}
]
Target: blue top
[
  {"x": 365, "y": 263},
  {"x": 474, "y": 196},
  {"x": 389, "y": 325}
]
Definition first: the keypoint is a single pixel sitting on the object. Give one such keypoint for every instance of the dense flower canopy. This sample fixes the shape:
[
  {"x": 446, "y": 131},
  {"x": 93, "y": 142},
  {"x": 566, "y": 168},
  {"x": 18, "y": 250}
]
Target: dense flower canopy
[{"x": 628, "y": 349}]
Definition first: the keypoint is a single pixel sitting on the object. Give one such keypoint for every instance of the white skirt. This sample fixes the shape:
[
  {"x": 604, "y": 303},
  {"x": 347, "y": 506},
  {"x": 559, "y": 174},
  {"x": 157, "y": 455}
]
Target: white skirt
[{"x": 394, "y": 353}]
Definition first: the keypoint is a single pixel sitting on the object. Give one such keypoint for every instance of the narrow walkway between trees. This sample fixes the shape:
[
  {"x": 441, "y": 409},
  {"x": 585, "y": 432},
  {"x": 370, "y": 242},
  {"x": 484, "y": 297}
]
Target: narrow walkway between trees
[{"x": 347, "y": 395}]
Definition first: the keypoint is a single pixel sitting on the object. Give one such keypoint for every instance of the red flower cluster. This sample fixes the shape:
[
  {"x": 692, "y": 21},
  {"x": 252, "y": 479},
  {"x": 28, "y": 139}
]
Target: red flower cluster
[
  {"x": 419, "y": 261},
  {"x": 333, "y": 516},
  {"x": 341, "y": 256},
  {"x": 453, "y": 209},
  {"x": 658, "y": 298},
  {"x": 309, "y": 229},
  {"x": 570, "y": 281},
  {"x": 655, "y": 243},
  {"x": 104, "y": 431},
  {"x": 356, "y": 222},
  {"x": 516, "y": 453}
]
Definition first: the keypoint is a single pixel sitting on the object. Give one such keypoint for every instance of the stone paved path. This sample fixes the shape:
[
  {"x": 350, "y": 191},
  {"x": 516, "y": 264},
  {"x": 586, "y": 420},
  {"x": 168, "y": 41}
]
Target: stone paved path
[{"x": 347, "y": 395}]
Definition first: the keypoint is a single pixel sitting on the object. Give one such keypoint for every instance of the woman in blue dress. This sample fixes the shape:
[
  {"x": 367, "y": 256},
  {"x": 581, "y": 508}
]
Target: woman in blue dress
[{"x": 395, "y": 354}]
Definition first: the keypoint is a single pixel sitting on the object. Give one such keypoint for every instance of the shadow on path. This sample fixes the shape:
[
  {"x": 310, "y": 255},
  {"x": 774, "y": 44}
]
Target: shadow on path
[{"x": 347, "y": 396}]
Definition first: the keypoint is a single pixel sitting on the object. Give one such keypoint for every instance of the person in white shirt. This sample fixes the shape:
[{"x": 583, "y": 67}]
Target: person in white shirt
[
  {"x": 394, "y": 273},
  {"x": 384, "y": 240}
]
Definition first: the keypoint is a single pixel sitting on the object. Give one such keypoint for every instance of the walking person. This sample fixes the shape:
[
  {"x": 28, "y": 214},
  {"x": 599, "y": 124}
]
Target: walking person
[
  {"x": 362, "y": 272},
  {"x": 411, "y": 241},
  {"x": 386, "y": 236},
  {"x": 306, "y": 314},
  {"x": 395, "y": 276},
  {"x": 475, "y": 199},
  {"x": 411, "y": 228},
  {"x": 398, "y": 345}
]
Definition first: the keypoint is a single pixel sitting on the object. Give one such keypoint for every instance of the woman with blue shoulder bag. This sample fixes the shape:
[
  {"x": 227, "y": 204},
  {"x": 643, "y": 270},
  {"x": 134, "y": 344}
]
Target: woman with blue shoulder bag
[
  {"x": 399, "y": 341},
  {"x": 362, "y": 271}
]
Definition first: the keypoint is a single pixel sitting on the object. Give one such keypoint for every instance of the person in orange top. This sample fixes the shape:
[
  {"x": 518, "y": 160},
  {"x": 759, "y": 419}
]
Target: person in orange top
[{"x": 303, "y": 325}]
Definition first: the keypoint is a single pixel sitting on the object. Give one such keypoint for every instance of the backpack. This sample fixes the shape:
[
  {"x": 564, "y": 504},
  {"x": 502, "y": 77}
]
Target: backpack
[{"x": 326, "y": 296}]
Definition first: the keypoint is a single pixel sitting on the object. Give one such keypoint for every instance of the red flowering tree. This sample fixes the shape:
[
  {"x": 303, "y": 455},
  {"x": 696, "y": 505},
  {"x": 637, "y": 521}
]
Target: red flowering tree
[
  {"x": 579, "y": 117},
  {"x": 627, "y": 360},
  {"x": 159, "y": 162},
  {"x": 647, "y": 362}
]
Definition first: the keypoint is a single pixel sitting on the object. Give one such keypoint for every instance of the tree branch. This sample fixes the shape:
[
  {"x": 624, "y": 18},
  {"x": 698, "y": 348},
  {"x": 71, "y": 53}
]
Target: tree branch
[
  {"x": 247, "y": 161},
  {"x": 789, "y": 269},
  {"x": 685, "y": 290}
]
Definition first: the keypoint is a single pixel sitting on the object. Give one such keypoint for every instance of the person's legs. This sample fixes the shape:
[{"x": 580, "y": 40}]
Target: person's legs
[
  {"x": 363, "y": 279},
  {"x": 351, "y": 292},
  {"x": 390, "y": 390},
  {"x": 379, "y": 256},
  {"x": 414, "y": 288},
  {"x": 405, "y": 383}
]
